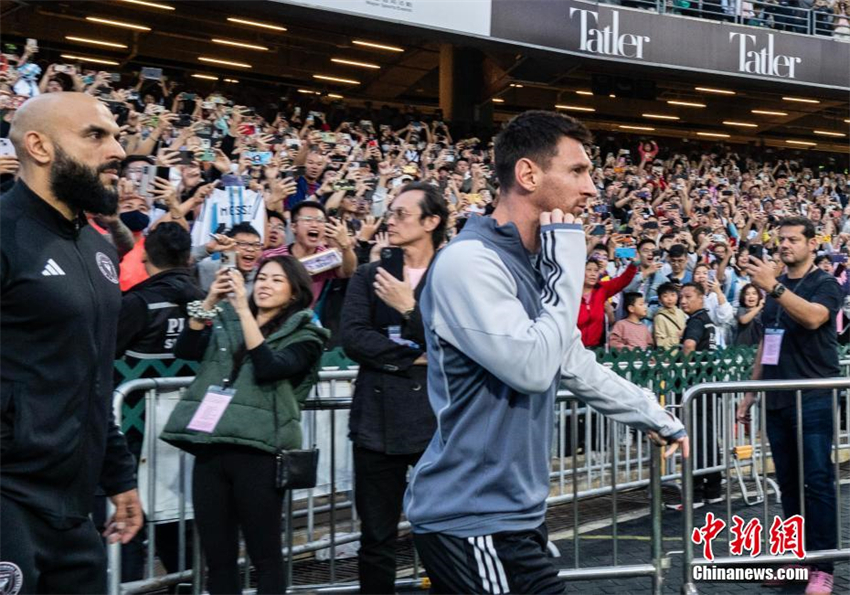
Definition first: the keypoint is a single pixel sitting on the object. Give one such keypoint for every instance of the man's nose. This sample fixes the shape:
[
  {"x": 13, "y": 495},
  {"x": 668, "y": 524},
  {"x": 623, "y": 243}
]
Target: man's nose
[{"x": 115, "y": 152}]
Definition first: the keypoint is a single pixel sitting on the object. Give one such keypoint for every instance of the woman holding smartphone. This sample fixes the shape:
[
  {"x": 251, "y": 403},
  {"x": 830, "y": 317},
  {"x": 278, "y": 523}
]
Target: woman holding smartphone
[{"x": 259, "y": 358}]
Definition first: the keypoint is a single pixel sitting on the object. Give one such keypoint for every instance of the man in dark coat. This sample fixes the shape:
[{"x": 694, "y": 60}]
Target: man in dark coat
[{"x": 391, "y": 419}]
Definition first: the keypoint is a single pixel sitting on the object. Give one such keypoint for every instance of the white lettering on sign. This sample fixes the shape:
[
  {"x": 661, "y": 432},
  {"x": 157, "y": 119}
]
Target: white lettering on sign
[
  {"x": 607, "y": 40},
  {"x": 765, "y": 60}
]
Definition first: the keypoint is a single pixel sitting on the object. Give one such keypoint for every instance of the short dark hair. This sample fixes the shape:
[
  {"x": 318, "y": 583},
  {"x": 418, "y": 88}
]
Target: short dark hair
[
  {"x": 677, "y": 250},
  {"x": 697, "y": 287},
  {"x": 168, "y": 246},
  {"x": 306, "y": 204},
  {"x": 600, "y": 246},
  {"x": 645, "y": 241},
  {"x": 300, "y": 285},
  {"x": 630, "y": 298},
  {"x": 276, "y": 215},
  {"x": 667, "y": 288},
  {"x": 823, "y": 258},
  {"x": 243, "y": 227},
  {"x": 133, "y": 158},
  {"x": 808, "y": 227},
  {"x": 535, "y": 135},
  {"x": 432, "y": 203}
]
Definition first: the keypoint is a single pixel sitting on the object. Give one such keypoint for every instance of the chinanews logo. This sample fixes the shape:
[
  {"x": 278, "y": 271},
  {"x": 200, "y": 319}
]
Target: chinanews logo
[
  {"x": 11, "y": 579},
  {"x": 607, "y": 40}
]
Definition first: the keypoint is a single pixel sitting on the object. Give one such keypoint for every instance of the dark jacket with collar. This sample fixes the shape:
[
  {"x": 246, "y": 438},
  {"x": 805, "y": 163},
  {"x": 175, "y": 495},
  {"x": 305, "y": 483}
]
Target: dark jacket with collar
[
  {"x": 390, "y": 411},
  {"x": 59, "y": 305},
  {"x": 153, "y": 314}
]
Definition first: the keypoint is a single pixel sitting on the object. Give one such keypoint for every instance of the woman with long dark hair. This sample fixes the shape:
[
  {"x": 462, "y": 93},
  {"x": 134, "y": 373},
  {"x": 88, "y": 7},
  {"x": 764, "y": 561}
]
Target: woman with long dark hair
[{"x": 259, "y": 360}]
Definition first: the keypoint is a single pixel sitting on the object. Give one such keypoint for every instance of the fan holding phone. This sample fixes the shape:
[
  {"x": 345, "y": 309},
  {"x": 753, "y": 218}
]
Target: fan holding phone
[{"x": 382, "y": 331}]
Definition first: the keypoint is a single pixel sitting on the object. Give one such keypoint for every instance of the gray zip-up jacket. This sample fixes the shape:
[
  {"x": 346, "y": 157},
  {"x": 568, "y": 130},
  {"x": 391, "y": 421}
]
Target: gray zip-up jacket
[{"x": 501, "y": 333}]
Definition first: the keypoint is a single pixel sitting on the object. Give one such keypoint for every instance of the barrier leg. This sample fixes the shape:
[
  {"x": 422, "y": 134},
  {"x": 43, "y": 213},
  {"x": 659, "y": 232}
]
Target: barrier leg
[
  {"x": 113, "y": 555},
  {"x": 656, "y": 515}
]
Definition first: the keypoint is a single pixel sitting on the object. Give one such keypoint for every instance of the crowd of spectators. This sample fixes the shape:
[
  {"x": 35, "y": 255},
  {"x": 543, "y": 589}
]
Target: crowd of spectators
[
  {"x": 322, "y": 176},
  {"x": 819, "y": 17}
]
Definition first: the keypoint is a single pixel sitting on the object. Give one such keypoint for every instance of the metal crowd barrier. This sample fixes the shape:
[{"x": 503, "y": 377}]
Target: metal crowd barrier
[
  {"x": 729, "y": 395},
  {"x": 604, "y": 459},
  {"x": 592, "y": 457}
]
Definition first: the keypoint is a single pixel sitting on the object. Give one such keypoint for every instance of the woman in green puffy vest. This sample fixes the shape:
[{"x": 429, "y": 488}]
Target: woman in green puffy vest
[{"x": 260, "y": 358}]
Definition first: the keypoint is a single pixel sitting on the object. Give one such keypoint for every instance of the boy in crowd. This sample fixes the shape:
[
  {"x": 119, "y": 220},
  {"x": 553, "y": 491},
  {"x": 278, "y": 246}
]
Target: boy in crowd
[
  {"x": 630, "y": 332},
  {"x": 669, "y": 322}
]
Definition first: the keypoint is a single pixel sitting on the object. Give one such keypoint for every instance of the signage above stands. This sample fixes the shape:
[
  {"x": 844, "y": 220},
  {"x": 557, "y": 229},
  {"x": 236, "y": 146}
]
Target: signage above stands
[
  {"x": 628, "y": 35},
  {"x": 624, "y": 35}
]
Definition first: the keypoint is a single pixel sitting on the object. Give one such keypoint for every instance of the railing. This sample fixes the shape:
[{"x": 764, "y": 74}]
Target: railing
[
  {"x": 597, "y": 471},
  {"x": 592, "y": 457},
  {"x": 777, "y": 15},
  {"x": 730, "y": 394}
]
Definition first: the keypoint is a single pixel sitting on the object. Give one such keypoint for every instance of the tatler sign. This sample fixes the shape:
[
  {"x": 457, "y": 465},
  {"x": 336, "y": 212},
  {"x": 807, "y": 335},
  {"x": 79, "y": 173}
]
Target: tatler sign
[
  {"x": 615, "y": 33},
  {"x": 607, "y": 40},
  {"x": 765, "y": 61}
]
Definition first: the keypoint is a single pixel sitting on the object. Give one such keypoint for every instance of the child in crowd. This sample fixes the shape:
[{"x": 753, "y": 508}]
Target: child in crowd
[
  {"x": 669, "y": 321},
  {"x": 750, "y": 327},
  {"x": 630, "y": 332}
]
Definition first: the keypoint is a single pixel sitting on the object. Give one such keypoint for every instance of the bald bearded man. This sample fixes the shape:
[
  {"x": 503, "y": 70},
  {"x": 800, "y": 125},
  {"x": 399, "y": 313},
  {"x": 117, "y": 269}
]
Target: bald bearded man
[{"x": 59, "y": 306}]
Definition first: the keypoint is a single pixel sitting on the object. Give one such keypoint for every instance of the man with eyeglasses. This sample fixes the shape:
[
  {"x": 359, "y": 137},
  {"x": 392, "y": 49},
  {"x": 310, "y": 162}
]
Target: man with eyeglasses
[
  {"x": 315, "y": 233},
  {"x": 391, "y": 419},
  {"x": 246, "y": 242}
]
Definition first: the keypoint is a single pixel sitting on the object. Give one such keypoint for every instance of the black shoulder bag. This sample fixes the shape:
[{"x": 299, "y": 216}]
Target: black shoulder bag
[{"x": 294, "y": 469}]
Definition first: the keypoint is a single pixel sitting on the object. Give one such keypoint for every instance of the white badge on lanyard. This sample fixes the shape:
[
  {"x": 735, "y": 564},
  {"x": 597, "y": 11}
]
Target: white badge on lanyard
[
  {"x": 211, "y": 409},
  {"x": 772, "y": 346}
]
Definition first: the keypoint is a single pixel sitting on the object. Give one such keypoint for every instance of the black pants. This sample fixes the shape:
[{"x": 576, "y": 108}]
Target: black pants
[
  {"x": 379, "y": 483},
  {"x": 707, "y": 450},
  {"x": 514, "y": 562},
  {"x": 233, "y": 488},
  {"x": 48, "y": 560}
]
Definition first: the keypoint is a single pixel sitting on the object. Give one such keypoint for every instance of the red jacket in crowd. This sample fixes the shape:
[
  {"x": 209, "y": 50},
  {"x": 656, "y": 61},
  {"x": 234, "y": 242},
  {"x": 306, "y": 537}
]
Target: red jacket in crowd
[{"x": 591, "y": 313}]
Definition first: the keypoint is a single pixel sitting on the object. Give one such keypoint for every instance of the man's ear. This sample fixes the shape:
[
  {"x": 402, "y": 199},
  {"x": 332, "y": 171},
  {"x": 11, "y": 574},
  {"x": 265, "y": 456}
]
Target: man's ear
[{"x": 39, "y": 147}]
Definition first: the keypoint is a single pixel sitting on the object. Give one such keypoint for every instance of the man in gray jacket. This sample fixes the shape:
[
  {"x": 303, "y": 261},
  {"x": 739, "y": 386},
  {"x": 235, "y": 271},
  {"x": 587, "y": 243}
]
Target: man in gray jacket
[{"x": 499, "y": 313}]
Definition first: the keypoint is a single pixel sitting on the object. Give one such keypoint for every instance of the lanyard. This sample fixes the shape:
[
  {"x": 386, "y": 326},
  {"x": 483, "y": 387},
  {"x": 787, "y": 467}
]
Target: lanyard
[{"x": 796, "y": 291}]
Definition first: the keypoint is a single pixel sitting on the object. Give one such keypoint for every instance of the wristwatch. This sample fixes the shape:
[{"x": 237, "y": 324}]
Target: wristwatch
[{"x": 777, "y": 291}]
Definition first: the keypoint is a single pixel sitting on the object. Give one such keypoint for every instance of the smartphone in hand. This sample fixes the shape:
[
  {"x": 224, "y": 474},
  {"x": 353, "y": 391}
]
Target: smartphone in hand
[{"x": 392, "y": 261}]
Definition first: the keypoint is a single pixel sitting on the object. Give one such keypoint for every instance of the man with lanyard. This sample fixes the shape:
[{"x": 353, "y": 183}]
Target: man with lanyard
[{"x": 800, "y": 342}]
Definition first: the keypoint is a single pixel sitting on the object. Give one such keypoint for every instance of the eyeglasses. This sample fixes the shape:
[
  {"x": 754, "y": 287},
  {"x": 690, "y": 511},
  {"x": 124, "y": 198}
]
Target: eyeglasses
[
  {"x": 249, "y": 245},
  {"x": 399, "y": 214},
  {"x": 278, "y": 227},
  {"x": 309, "y": 218}
]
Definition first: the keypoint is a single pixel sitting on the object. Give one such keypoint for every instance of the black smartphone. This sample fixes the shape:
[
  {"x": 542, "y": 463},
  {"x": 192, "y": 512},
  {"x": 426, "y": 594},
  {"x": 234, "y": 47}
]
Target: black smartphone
[
  {"x": 756, "y": 250},
  {"x": 163, "y": 172},
  {"x": 184, "y": 121},
  {"x": 392, "y": 261},
  {"x": 599, "y": 230},
  {"x": 187, "y": 157},
  {"x": 296, "y": 172}
]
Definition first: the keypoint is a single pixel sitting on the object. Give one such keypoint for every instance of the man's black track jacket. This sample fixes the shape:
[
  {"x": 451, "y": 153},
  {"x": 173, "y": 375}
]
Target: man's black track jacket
[{"x": 59, "y": 306}]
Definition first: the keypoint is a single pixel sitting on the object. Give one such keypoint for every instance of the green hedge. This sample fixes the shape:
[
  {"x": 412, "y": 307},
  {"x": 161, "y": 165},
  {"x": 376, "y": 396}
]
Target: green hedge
[{"x": 665, "y": 372}]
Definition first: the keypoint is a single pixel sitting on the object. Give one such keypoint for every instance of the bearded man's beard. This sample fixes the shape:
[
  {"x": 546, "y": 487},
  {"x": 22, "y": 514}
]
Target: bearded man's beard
[{"x": 80, "y": 187}]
